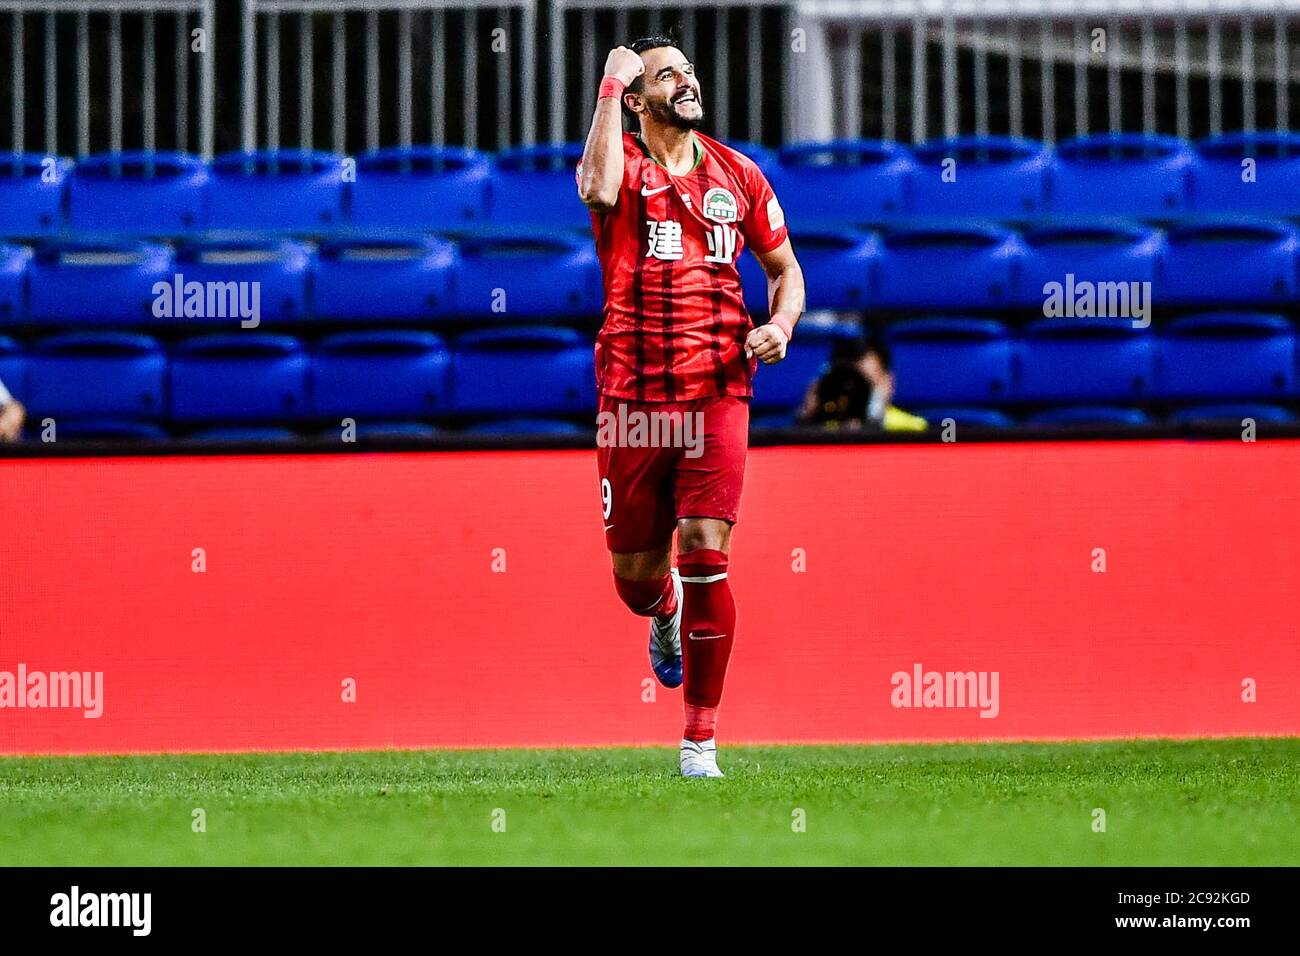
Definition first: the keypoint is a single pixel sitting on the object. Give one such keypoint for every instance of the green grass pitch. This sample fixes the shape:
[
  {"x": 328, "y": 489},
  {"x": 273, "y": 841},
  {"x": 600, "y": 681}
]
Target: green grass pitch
[{"x": 1209, "y": 802}]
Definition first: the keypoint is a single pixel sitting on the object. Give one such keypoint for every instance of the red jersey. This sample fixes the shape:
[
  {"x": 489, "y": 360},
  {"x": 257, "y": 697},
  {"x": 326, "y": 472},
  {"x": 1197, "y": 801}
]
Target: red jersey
[{"x": 675, "y": 322}]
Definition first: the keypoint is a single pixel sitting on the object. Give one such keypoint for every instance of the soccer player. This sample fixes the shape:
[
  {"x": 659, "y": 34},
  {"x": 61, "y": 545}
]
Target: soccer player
[{"x": 672, "y": 210}]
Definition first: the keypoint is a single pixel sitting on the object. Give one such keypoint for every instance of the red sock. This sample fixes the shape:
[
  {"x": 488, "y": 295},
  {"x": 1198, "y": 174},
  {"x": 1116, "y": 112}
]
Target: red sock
[
  {"x": 708, "y": 629},
  {"x": 654, "y": 598},
  {"x": 700, "y": 723}
]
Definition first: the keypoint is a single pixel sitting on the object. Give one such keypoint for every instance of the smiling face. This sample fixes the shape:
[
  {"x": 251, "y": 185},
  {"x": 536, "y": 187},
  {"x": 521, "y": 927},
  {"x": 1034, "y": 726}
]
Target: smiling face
[{"x": 668, "y": 92}]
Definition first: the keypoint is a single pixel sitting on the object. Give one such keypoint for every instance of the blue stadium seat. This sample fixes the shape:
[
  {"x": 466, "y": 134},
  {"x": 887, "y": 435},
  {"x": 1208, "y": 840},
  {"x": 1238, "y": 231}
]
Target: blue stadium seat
[
  {"x": 1095, "y": 253},
  {"x": 97, "y": 374},
  {"x": 104, "y": 429},
  {"x": 783, "y": 385},
  {"x": 1233, "y": 413},
  {"x": 957, "y": 266},
  {"x": 13, "y": 282},
  {"x": 842, "y": 183},
  {"x": 32, "y": 193},
  {"x": 784, "y": 419},
  {"x": 425, "y": 187},
  {"x": 239, "y": 377},
  {"x": 285, "y": 190},
  {"x": 246, "y": 433},
  {"x": 525, "y": 426},
  {"x": 1090, "y": 415},
  {"x": 540, "y": 275},
  {"x": 280, "y": 268},
  {"x": 381, "y": 374},
  {"x": 764, "y": 158},
  {"x": 1099, "y": 254},
  {"x": 975, "y": 417},
  {"x": 836, "y": 265},
  {"x": 105, "y": 283},
  {"x": 1085, "y": 360},
  {"x": 523, "y": 372},
  {"x": 384, "y": 280},
  {"x": 753, "y": 285},
  {"x": 997, "y": 177},
  {"x": 366, "y": 429},
  {"x": 536, "y": 186},
  {"x": 152, "y": 194},
  {"x": 1228, "y": 355},
  {"x": 1122, "y": 174},
  {"x": 1217, "y": 185},
  {"x": 13, "y": 368},
  {"x": 1230, "y": 262},
  {"x": 950, "y": 360}
]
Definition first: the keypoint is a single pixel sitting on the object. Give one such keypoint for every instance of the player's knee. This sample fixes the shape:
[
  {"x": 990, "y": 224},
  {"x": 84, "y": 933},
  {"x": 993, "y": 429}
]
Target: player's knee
[
  {"x": 640, "y": 579},
  {"x": 641, "y": 597},
  {"x": 643, "y": 565},
  {"x": 703, "y": 534}
]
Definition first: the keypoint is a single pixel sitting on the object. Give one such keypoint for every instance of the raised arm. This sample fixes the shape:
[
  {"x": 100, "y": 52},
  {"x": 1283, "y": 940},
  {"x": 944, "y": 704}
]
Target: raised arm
[
  {"x": 601, "y": 172},
  {"x": 785, "y": 296}
]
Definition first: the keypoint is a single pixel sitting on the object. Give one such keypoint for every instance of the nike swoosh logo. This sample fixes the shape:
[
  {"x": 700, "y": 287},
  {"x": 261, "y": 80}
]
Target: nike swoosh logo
[
  {"x": 651, "y": 192},
  {"x": 704, "y": 637},
  {"x": 608, "y": 526}
]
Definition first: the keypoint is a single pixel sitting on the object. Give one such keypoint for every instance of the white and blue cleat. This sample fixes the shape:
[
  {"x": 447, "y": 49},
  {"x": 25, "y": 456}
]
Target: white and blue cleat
[
  {"x": 666, "y": 642},
  {"x": 700, "y": 759}
]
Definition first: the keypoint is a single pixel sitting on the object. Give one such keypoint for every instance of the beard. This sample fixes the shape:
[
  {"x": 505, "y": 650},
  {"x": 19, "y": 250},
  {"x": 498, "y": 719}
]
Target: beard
[{"x": 667, "y": 114}]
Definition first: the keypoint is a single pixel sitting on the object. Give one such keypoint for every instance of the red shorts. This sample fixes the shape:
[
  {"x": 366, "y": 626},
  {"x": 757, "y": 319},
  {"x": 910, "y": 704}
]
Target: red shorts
[{"x": 661, "y": 461}]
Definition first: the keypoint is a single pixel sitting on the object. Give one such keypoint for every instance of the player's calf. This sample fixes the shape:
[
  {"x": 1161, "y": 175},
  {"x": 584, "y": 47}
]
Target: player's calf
[
  {"x": 708, "y": 630},
  {"x": 659, "y": 599}
]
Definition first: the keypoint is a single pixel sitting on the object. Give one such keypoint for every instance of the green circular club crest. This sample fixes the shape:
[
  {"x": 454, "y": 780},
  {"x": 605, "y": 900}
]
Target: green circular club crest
[{"x": 720, "y": 205}]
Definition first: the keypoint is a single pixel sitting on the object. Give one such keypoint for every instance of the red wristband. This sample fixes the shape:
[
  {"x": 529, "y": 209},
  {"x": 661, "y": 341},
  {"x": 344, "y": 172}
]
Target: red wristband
[
  {"x": 782, "y": 323},
  {"x": 611, "y": 86}
]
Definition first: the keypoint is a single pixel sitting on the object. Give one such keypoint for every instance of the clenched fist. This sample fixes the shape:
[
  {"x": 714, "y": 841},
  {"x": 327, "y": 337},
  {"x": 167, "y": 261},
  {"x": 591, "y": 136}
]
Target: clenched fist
[
  {"x": 624, "y": 65},
  {"x": 768, "y": 342}
]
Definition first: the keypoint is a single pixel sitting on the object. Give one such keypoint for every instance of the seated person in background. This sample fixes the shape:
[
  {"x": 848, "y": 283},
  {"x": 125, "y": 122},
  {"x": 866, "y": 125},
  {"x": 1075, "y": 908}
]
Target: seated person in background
[
  {"x": 12, "y": 415},
  {"x": 857, "y": 391}
]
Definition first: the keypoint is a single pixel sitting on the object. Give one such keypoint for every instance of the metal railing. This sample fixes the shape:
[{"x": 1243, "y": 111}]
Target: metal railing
[
  {"x": 914, "y": 69},
  {"x": 90, "y": 34},
  {"x": 493, "y": 51},
  {"x": 491, "y": 45},
  {"x": 84, "y": 76}
]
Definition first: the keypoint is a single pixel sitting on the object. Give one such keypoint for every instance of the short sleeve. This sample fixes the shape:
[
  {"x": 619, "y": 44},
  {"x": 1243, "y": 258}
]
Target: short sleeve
[
  {"x": 5, "y": 397},
  {"x": 764, "y": 226}
]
